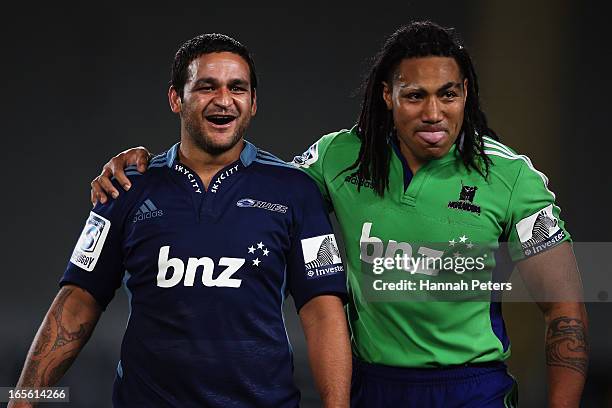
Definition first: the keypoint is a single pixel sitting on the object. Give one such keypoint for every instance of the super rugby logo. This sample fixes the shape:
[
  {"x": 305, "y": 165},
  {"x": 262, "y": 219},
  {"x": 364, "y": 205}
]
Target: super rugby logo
[
  {"x": 89, "y": 238},
  {"x": 88, "y": 248},
  {"x": 307, "y": 158},
  {"x": 252, "y": 203},
  {"x": 172, "y": 271}
]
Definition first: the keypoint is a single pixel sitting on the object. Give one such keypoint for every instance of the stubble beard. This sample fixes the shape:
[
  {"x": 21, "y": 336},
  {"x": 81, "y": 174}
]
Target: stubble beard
[{"x": 204, "y": 142}]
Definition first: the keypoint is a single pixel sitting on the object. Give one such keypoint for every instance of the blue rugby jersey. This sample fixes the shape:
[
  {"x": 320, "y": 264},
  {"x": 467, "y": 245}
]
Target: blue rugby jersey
[{"x": 207, "y": 273}]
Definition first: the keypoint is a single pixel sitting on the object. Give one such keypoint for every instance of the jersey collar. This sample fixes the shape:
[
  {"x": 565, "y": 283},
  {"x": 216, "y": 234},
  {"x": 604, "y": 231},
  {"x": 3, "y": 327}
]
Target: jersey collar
[{"x": 247, "y": 156}]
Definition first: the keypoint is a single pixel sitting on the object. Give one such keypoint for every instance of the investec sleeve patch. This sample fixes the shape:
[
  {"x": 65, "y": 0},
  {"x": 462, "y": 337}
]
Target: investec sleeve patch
[
  {"x": 539, "y": 231},
  {"x": 321, "y": 256},
  {"x": 91, "y": 241}
]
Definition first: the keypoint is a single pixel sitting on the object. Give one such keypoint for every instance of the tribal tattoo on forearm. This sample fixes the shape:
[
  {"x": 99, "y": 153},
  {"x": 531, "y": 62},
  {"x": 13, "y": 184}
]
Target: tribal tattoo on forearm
[
  {"x": 50, "y": 357},
  {"x": 566, "y": 344}
]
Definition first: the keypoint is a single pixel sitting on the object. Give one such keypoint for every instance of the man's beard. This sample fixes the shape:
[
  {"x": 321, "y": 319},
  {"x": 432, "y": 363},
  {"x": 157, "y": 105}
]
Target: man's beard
[{"x": 205, "y": 143}]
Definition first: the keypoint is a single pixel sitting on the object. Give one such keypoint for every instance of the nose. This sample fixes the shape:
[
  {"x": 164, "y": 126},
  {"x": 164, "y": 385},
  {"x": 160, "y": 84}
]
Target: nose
[
  {"x": 432, "y": 111},
  {"x": 223, "y": 98}
]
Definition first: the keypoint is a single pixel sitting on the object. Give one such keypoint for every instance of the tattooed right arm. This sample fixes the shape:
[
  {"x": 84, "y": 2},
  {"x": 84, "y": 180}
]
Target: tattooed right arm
[{"x": 61, "y": 336}]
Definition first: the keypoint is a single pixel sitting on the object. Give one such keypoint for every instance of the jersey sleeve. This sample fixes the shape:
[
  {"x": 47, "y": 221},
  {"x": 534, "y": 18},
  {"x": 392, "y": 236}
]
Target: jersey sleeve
[
  {"x": 534, "y": 224},
  {"x": 314, "y": 266},
  {"x": 96, "y": 264},
  {"x": 312, "y": 163}
]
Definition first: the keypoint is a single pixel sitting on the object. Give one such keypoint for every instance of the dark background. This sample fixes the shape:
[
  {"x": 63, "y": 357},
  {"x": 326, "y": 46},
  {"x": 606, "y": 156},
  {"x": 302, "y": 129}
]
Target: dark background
[{"x": 82, "y": 83}]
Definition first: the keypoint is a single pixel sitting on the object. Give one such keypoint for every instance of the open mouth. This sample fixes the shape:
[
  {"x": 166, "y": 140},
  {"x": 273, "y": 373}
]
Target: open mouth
[{"x": 220, "y": 120}]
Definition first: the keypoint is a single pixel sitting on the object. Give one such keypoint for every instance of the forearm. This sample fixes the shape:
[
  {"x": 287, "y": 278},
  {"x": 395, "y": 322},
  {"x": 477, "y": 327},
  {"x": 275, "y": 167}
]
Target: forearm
[
  {"x": 64, "y": 331},
  {"x": 566, "y": 353},
  {"x": 329, "y": 353}
]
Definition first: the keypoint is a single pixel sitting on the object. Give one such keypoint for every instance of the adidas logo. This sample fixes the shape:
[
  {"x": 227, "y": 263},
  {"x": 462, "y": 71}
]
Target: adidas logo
[{"x": 147, "y": 210}]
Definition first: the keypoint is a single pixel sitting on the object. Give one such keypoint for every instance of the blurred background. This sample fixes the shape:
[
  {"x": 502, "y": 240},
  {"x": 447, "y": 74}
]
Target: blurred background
[{"x": 82, "y": 83}]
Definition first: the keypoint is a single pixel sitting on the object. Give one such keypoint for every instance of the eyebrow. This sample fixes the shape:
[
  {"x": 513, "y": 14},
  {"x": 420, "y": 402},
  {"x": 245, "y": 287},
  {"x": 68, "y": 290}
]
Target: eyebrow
[
  {"x": 215, "y": 81},
  {"x": 444, "y": 87}
]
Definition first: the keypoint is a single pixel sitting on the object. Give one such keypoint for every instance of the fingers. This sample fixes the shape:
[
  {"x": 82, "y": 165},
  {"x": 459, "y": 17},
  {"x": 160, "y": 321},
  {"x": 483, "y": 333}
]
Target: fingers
[
  {"x": 102, "y": 186},
  {"x": 97, "y": 192},
  {"x": 107, "y": 185},
  {"x": 138, "y": 156},
  {"x": 142, "y": 158},
  {"x": 115, "y": 167}
]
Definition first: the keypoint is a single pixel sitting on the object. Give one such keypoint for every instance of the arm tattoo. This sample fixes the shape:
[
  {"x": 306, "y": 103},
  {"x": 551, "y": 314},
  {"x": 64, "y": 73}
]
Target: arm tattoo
[
  {"x": 58, "y": 371},
  {"x": 566, "y": 344},
  {"x": 30, "y": 376},
  {"x": 64, "y": 336},
  {"x": 45, "y": 367},
  {"x": 45, "y": 338}
]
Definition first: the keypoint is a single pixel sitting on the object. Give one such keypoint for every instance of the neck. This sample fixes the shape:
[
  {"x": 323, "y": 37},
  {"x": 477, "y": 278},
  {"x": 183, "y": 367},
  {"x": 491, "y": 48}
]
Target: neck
[
  {"x": 205, "y": 164},
  {"x": 414, "y": 162}
]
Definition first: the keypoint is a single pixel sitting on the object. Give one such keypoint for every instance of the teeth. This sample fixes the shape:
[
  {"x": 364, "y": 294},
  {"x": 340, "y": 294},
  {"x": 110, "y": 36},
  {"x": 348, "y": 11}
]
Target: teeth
[{"x": 220, "y": 119}]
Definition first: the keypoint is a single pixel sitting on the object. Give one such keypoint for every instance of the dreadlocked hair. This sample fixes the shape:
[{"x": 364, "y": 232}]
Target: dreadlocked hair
[{"x": 415, "y": 40}]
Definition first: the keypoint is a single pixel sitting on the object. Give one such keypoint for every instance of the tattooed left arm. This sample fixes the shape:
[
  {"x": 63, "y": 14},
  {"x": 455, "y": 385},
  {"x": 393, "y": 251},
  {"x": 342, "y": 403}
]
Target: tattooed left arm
[
  {"x": 61, "y": 336},
  {"x": 554, "y": 281}
]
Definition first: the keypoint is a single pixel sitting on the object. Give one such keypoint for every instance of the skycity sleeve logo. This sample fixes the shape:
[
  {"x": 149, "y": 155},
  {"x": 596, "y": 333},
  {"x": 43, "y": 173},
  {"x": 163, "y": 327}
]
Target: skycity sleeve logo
[
  {"x": 321, "y": 256},
  {"x": 91, "y": 241},
  {"x": 539, "y": 231}
]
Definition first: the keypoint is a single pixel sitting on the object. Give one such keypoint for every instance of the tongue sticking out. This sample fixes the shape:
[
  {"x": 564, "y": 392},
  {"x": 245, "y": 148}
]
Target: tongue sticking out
[{"x": 431, "y": 137}]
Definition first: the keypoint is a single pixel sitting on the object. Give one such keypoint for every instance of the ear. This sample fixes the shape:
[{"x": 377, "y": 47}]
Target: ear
[
  {"x": 465, "y": 89},
  {"x": 175, "y": 100},
  {"x": 254, "y": 104},
  {"x": 388, "y": 95}
]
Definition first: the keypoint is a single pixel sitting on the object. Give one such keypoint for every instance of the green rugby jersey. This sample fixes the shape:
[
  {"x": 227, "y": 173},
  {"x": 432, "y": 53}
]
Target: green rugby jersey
[{"x": 444, "y": 206}]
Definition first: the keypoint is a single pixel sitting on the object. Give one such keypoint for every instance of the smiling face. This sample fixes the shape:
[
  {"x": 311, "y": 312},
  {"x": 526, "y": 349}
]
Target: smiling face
[
  {"x": 427, "y": 99},
  {"x": 217, "y": 103}
]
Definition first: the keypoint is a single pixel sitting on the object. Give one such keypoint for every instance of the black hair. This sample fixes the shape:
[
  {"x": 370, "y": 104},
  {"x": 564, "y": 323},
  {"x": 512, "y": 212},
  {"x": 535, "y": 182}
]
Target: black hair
[
  {"x": 375, "y": 125},
  {"x": 206, "y": 44}
]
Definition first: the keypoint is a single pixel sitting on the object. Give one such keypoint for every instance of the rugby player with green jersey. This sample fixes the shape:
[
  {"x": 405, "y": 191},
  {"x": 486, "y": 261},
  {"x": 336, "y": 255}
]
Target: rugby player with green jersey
[
  {"x": 423, "y": 175},
  {"x": 428, "y": 209}
]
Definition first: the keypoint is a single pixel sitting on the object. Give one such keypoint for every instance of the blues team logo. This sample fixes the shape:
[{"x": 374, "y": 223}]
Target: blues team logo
[
  {"x": 252, "y": 203},
  {"x": 88, "y": 248},
  {"x": 466, "y": 200},
  {"x": 321, "y": 256}
]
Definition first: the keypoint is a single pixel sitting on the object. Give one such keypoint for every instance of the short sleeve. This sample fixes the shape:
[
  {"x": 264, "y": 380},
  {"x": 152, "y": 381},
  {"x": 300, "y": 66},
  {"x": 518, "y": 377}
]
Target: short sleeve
[
  {"x": 534, "y": 222},
  {"x": 311, "y": 162},
  {"x": 96, "y": 264},
  {"x": 314, "y": 266}
]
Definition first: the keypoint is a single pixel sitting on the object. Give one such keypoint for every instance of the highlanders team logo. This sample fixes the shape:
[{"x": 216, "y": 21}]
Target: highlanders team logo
[
  {"x": 321, "y": 256},
  {"x": 539, "y": 231},
  {"x": 466, "y": 200}
]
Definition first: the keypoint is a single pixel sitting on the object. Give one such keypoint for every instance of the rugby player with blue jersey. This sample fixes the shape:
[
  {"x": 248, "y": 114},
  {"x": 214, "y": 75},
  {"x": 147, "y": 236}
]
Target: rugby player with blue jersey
[
  {"x": 423, "y": 173},
  {"x": 208, "y": 243}
]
